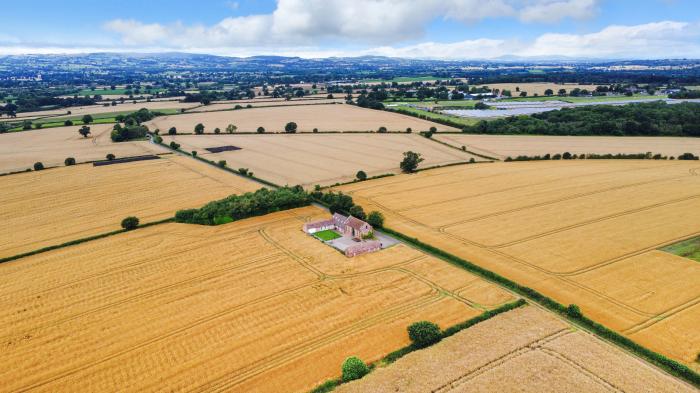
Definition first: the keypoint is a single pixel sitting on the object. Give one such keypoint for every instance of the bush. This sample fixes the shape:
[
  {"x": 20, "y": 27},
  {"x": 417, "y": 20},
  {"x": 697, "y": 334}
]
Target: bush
[
  {"x": 261, "y": 130},
  {"x": 110, "y": 157},
  {"x": 172, "y": 131},
  {"x": 174, "y": 145},
  {"x": 290, "y": 127},
  {"x": 375, "y": 219},
  {"x": 194, "y": 153},
  {"x": 199, "y": 129},
  {"x": 243, "y": 171},
  {"x": 68, "y": 123},
  {"x": 84, "y": 131},
  {"x": 87, "y": 119},
  {"x": 354, "y": 368},
  {"x": 26, "y": 125},
  {"x": 433, "y": 129},
  {"x": 217, "y": 130},
  {"x": 315, "y": 130},
  {"x": 361, "y": 175},
  {"x": 38, "y": 166},
  {"x": 221, "y": 163},
  {"x": 158, "y": 139},
  {"x": 130, "y": 223},
  {"x": 358, "y": 212},
  {"x": 69, "y": 161},
  {"x": 382, "y": 129},
  {"x": 574, "y": 311},
  {"x": 424, "y": 334},
  {"x": 230, "y": 129},
  {"x": 409, "y": 130}
]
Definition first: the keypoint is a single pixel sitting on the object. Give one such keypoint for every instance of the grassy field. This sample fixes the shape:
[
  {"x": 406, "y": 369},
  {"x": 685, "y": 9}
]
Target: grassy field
[
  {"x": 98, "y": 118},
  {"x": 523, "y": 350},
  {"x": 54, "y": 206},
  {"x": 583, "y": 232},
  {"x": 255, "y": 305},
  {"x": 688, "y": 249},
  {"x": 587, "y": 99},
  {"x": 439, "y": 116},
  {"x": 403, "y": 79},
  {"x": 118, "y": 91},
  {"x": 325, "y": 159},
  {"x": 327, "y": 235}
]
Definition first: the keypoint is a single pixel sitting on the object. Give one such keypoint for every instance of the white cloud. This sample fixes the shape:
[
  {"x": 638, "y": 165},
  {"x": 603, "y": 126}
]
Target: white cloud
[{"x": 549, "y": 11}]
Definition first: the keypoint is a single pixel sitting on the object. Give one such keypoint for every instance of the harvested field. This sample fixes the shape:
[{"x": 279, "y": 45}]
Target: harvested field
[
  {"x": 582, "y": 232},
  {"x": 62, "y": 113},
  {"x": 227, "y": 105},
  {"x": 252, "y": 306},
  {"x": 51, "y": 146},
  {"x": 502, "y": 146},
  {"x": 524, "y": 350},
  {"x": 537, "y": 88},
  {"x": 319, "y": 158},
  {"x": 331, "y": 117},
  {"x": 53, "y": 206}
]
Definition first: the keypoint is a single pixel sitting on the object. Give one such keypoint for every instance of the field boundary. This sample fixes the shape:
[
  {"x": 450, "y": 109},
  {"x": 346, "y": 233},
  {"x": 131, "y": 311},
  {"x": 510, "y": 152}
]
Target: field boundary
[
  {"x": 669, "y": 365},
  {"x": 82, "y": 240},
  {"x": 391, "y": 357}
]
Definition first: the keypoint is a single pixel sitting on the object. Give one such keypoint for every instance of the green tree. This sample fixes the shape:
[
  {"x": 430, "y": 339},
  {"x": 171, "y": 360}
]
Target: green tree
[
  {"x": 172, "y": 131},
  {"x": 217, "y": 130},
  {"x": 84, "y": 131},
  {"x": 410, "y": 161},
  {"x": 230, "y": 129},
  {"x": 261, "y": 130},
  {"x": 130, "y": 223},
  {"x": 549, "y": 92},
  {"x": 354, "y": 368},
  {"x": 174, "y": 145},
  {"x": 69, "y": 161},
  {"x": 290, "y": 127},
  {"x": 358, "y": 212},
  {"x": 87, "y": 119},
  {"x": 38, "y": 166},
  {"x": 574, "y": 311},
  {"x": 375, "y": 219},
  {"x": 68, "y": 123},
  {"x": 361, "y": 175},
  {"x": 222, "y": 163},
  {"x": 199, "y": 129},
  {"x": 382, "y": 129},
  {"x": 110, "y": 157},
  {"x": 424, "y": 334}
]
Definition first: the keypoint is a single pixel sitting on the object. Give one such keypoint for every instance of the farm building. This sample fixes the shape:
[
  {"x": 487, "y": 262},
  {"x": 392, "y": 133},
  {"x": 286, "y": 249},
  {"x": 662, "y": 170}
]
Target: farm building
[{"x": 347, "y": 226}]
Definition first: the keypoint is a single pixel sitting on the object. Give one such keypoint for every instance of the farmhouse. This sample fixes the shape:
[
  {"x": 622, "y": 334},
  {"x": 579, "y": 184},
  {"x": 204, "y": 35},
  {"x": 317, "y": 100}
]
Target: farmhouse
[{"x": 348, "y": 226}]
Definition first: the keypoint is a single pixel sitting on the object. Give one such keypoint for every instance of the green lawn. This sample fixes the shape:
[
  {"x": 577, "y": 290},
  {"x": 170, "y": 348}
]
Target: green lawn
[
  {"x": 327, "y": 235},
  {"x": 432, "y": 115},
  {"x": 688, "y": 248}
]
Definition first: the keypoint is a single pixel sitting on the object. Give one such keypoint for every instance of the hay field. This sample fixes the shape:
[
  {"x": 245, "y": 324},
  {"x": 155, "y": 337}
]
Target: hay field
[
  {"x": 524, "y": 350},
  {"x": 584, "y": 232},
  {"x": 337, "y": 117},
  {"x": 51, "y": 146},
  {"x": 53, "y": 206},
  {"x": 252, "y": 306},
  {"x": 502, "y": 146},
  {"x": 537, "y": 88},
  {"x": 309, "y": 159}
]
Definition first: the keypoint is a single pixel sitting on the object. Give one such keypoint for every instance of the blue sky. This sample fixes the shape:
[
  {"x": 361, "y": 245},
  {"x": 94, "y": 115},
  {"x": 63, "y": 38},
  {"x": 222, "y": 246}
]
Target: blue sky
[{"x": 468, "y": 29}]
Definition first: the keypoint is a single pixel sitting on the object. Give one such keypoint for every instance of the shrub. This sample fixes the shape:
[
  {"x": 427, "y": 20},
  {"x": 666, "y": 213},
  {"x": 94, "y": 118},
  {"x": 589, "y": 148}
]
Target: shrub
[
  {"x": 361, "y": 175},
  {"x": 261, "y": 130},
  {"x": 375, "y": 219},
  {"x": 194, "y": 153},
  {"x": 230, "y": 129},
  {"x": 574, "y": 311},
  {"x": 84, "y": 131},
  {"x": 249, "y": 106},
  {"x": 221, "y": 163},
  {"x": 110, "y": 157},
  {"x": 38, "y": 166},
  {"x": 158, "y": 139},
  {"x": 26, "y": 125},
  {"x": 354, "y": 368},
  {"x": 87, "y": 119},
  {"x": 424, "y": 334},
  {"x": 433, "y": 129},
  {"x": 68, "y": 123},
  {"x": 472, "y": 160},
  {"x": 217, "y": 130},
  {"x": 315, "y": 130},
  {"x": 237, "y": 107},
  {"x": 69, "y": 161},
  {"x": 358, "y": 212},
  {"x": 409, "y": 130},
  {"x": 382, "y": 129},
  {"x": 130, "y": 223},
  {"x": 410, "y": 161},
  {"x": 172, "y": 131},
  {"x": 199, "y": 129},
  {"x": 290, "y": 127}
]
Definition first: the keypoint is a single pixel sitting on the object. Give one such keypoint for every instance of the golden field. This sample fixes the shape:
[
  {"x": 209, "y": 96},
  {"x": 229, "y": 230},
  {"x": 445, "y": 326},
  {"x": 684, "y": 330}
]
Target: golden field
[
  {"x": 583, "y": 232},
  {"x": 324, "y": 159},
  {"x": 53, "y": 206},
  {"x": 127, "y": 106},
  {"x": 51, "y": 146},
  {"x": 252, "y": 306},
  {"x": 503, "y": 146},
  {"x": 524, "y": 350},
  {"x": 538, "y": 88},
  {"x": 227, "y": 105},
  {"x": 331, "y": 117}
]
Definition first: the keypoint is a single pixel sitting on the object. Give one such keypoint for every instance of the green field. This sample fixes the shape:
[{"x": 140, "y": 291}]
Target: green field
[
  {"x": 118, "y": 91},
  {"x": 586, "y": 99},
  {"x": 403, "y": 79},
  {"x": 439, "y": 116},
  {"x": 98, "y": 118},
  {"x": 688, "y": 248},
  {"x": 327, "y": 235}
]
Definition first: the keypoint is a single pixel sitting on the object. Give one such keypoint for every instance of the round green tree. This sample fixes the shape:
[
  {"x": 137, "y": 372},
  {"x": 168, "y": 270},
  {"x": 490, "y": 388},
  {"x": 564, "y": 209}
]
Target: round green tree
[
  {"x": 290, "y": 127},
  {"x": 354, "y": 368},
  {"x": 38, "y": 166},
  {"x": 424, "y": 334},
  {"x": 69, "y": 161},
  {"x": 361, "y": 175},
  {"x": 375, "y": 219},
  {"x": 130, "y": 223}
]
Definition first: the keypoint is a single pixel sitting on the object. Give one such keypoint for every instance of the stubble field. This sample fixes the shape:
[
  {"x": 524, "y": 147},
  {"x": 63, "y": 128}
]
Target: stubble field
[
  {"x": 255, "y": 306},
  {"x": 524, "y": 350},
  {"x": 583, "y": 232},
  {"x": 255, "y": 103},
  {"x": 331, "y": 117},
  {"x": 53, "y": 206},
  {"x": 128, "y": 106},
  {"x": 51, "y": 146},
  {"x": 319, "y": 158},
  {"x": 502, "y": 146},
  {"x": 538, "y": 88}
]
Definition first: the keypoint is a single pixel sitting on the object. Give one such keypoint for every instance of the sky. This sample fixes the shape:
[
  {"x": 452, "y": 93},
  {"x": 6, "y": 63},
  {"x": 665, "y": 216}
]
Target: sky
[{"x": 435, "y": 29}]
